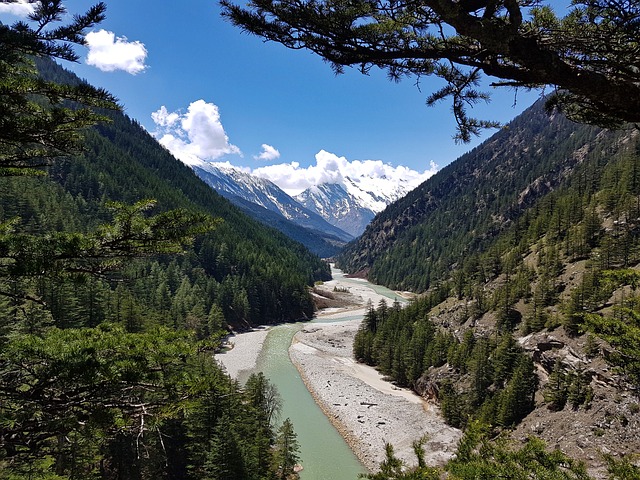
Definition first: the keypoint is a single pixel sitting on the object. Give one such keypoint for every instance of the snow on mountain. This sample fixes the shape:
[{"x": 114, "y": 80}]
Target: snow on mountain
[
  {"x": 352, "y": 204},
  {"x": 334, "y": 203},
  {"x": 342, "y": 209},
  {"x": 233, "y": 183}
]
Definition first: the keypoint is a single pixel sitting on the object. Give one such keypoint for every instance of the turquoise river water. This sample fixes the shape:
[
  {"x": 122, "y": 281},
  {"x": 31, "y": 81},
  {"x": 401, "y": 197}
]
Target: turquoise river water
[{"x": 324, "y": 453}]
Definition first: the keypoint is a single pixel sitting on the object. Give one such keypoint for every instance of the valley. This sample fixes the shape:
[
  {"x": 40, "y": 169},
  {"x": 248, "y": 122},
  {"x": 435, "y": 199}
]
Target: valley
[
  {"x": 354, "y": 398},
  {"x": 166, "y": 315}
]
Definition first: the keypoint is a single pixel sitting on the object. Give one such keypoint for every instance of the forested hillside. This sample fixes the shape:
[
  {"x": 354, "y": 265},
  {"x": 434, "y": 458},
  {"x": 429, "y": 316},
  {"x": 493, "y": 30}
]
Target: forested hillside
[
  {"x": 416, "y": 240},
  {"x": 258, "y": 274},
  {"x": 114, "y": 293},
  {"x": 530, "y": 318}
]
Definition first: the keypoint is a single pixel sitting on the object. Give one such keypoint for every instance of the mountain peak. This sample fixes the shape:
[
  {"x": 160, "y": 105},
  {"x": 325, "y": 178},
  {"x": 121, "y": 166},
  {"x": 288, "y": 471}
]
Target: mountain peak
[{"x": 353, "y": 204}]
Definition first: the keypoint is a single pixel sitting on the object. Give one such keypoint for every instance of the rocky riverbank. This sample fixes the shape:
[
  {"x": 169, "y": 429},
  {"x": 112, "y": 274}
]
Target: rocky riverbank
[
  {"x": 241, "y": 351},
  {"x": 367, "y": 410}
]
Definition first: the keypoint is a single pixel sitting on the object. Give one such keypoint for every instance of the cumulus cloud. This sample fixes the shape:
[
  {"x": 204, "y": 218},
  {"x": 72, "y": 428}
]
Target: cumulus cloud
[
  {"x": 19, "y": 8},
  {"x": 110, "y": 53},
  {"x": 331, "y": 168},
  {"x": 268, "y": 153},
  {"x": 163, "y": 118},
  {"x": 194, "y": 136}
]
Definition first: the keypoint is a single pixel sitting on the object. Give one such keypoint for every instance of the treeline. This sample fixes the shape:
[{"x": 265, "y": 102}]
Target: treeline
[
  {"x": 517, "y": 285},
  {"x": 489, "y": 379},
  {"x": 415, "y": 242},
  {"x": 103, "y": 403},
  {"x": 480, "y": 456},
  {"x": 254, "y": 274}
]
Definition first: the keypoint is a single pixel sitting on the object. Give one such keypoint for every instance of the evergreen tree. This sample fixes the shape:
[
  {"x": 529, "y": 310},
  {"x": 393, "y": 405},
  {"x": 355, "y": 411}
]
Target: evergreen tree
[
  {"x": 539, "y": 48},
  {"x": 555, "y": 392},
  {"x": 37, "y": 124},
  {"x": 517, "y": 399},
  {"x": 264, "y": 397},
  {"x": 450, "y": 405},
  {"x": 286, "y": 451}
]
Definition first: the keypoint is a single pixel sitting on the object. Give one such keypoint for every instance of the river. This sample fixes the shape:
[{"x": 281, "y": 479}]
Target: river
[{"x": 324, "y": 453}]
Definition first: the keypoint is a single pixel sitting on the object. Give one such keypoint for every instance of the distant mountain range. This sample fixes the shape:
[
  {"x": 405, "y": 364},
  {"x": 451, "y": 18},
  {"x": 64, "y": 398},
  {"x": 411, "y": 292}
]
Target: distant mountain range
[
  {"x": 324, "y": 217},
  {"x": 268, "y": 203}
]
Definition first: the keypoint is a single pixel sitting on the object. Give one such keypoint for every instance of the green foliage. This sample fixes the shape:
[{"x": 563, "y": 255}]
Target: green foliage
[
  {"x": 391, "y": 467},
  {"x": 623, "y": 334},
  {"x": 92, "y": 400},
  {"x": 622, "y": 469},
  {"x": 251, "y": 273},
  {"x": 286, "y": 451},
  {"x": 477, "y": 201},
  {"x": 486, "y": 379},
  {"x": 513, "y": 269},
  {"x": 37, "y": 123},
  {"x": 131, "y": 234},
  {"x": 442, "y": 38},
  {"x": 264, "y": 397},
  {"x": 555, "y": 393},
  {"x": 479, "y": 456},
  {"x": 517, "y": 398},
  {"x": 106, "y": 334}
]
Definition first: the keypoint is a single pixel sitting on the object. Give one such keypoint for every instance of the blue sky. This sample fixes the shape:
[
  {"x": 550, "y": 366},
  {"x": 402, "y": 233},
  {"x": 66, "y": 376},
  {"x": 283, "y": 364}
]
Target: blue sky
[{"x": 262, "y": 94}]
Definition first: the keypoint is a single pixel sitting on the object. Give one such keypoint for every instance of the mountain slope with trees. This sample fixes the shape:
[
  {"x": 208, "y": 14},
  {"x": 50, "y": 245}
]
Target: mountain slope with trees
[
  {"x": 472, "y": 200},
  {"x": 115, "y": 291},
  {"x": 122, "y": 162},
  {"x": 529, "y": 318}
]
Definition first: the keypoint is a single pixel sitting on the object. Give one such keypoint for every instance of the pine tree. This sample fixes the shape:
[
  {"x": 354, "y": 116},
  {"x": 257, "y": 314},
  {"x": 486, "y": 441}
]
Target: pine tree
[
  {"x": 555, "y": 392},
  {"x": 286, "y": 451},
  {"x": 215, "y": 321},
  {"x": 224, "y": 456},
  {"x": 517, "y": 399},
  {"x": 451, "y": 405}
]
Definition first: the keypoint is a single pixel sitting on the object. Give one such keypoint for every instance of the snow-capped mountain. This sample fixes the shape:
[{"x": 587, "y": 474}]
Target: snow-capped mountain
[
  {"x": 234, "y": 183},
  {"x": 333, "y": 212},
  {"x": 352, "y": 204},
  {"x": 334, "y": 204}
]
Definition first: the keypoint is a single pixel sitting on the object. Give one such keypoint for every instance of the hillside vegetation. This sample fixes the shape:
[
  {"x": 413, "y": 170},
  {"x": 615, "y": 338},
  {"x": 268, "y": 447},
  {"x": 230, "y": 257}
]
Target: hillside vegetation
[
  {"x": 107, "y": 361},
  {"x": 528, "y": 248}
]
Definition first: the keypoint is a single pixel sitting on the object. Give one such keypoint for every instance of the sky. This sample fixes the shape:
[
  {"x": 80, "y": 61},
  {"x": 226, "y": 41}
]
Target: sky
[{"x": 207, "y": 90}]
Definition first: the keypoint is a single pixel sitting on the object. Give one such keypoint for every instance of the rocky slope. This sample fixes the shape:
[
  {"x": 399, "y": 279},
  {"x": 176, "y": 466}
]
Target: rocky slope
[{"x": 608, "y": 423}]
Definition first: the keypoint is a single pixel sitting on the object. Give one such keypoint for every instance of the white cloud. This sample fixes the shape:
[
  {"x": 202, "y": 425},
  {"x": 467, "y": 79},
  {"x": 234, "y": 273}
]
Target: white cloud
[
  {"x": 197, "y": 136},
  {"x": 268, "y": 153},
  {"x": 19, "y": 8},
  {"x": 110, "y": 53},
  {"x": 330, "y": 168},
  {"x": 194, "y": 136},
  {"x": 163, "y": 118}
]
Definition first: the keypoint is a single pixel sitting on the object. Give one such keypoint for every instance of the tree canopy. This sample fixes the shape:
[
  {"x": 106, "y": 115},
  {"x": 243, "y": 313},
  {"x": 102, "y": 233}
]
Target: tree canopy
[
  {"x": 590, "y": 56},
  {"x": 106, "y": 334},
  {"x": 40, "y": 120}
]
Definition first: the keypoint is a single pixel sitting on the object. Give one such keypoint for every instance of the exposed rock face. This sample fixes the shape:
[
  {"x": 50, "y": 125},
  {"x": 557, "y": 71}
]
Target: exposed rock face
[
  {"x": 235, "y": 184},
  {"x": 428, "y": 385},
  {"x": 338, "y": 207},
  {"x": 352, "y": 203},
  {"x": 546, "y": 350},
  {"x": 608, "y": 424}
]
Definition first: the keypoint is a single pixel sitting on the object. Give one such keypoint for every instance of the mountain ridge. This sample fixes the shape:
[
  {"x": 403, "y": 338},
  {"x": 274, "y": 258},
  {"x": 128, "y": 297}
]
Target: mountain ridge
[
  {"x": 519, "y": 172},
  {"x": 334, "y": 210}
]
